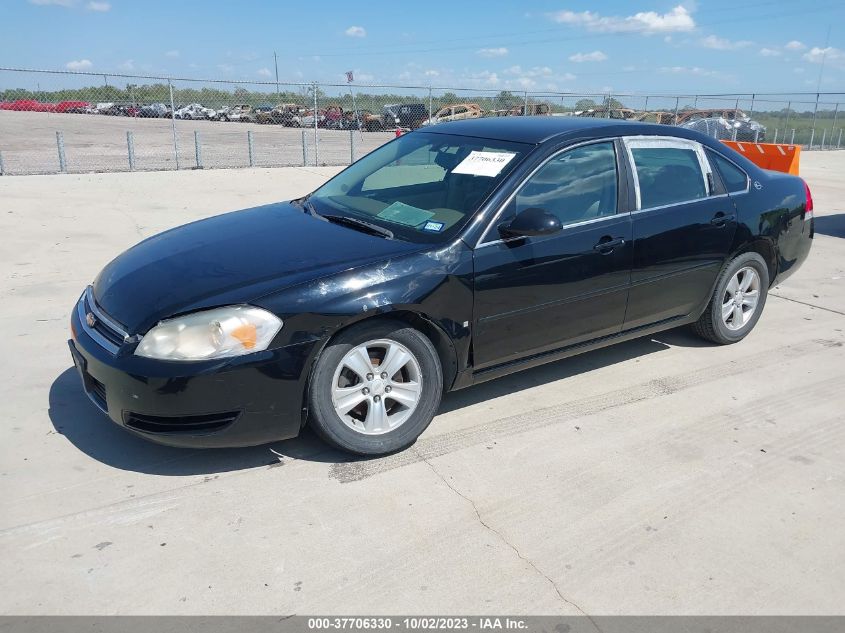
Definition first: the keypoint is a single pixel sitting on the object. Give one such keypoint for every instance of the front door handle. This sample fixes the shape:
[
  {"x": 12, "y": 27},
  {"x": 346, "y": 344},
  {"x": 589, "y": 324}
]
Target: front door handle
[
  {"x": 721, "y": 219},
  {"x": 606, "y": 244}
]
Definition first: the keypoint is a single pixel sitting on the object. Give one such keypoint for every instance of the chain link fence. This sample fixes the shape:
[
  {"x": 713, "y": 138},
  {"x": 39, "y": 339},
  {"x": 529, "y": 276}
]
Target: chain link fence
[{"x": 72, "y": 122}]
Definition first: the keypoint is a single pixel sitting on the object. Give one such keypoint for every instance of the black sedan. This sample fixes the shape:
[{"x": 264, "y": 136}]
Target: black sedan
[{"x": 444, "y": 258}]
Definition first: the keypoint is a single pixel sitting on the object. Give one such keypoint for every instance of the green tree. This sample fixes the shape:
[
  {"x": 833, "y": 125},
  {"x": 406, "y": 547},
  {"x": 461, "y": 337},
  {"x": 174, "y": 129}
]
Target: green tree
[{"x": 585, "y": 104}]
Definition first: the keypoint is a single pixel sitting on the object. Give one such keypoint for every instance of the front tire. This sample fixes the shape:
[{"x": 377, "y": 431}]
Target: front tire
[
  {"x": 375, "y": 388},
  {"x": 737, "y": 302}
]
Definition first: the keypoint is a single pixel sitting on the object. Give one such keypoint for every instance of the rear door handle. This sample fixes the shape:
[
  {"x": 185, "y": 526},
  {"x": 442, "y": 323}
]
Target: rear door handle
[
  {"x": 720, "y": 219},
  {"x": 606, "y": 244}
]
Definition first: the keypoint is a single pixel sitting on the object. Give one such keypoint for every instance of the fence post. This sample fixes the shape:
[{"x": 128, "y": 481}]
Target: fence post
[
  {"x": 351, "y": 146},
  {"x": 756, "y": 135},
  {"x": 60, "y": 143},
  {"x": 792, "y": 140},
  {"x": 251, "y": 148},
  {"x": 733, "y": 135},
  {"x": 812, "y": 137},
  {"x": 677, "y": 103},
  {"x": 645, "y": 105},
  {"x": 316, "y": 140},
  {"x": 751, "y": 114},
  {"x": 525, "y": 111},
  {"x": 173, "y": 124},
  {"x": 198, "y": 149},
  {"x": 3, "y": 170},
  {"x": 788, "y": 110},
  {"x": 815, "y": 111},
  {"x": 430, "y": 113},
  {"x": 304, "y": 150},
  {"x": 833, "y": 125},
  {"x": 130, "y": 149},
  {"x": 824, "y": 134},
  {"x": 775, "y": 139},
  {"x": 838, "y": 141}
]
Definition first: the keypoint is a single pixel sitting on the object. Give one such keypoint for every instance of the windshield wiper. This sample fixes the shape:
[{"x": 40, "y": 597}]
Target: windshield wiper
[
  {"x": 307, "y": 205},
  {"x": 361, "y": 225}
]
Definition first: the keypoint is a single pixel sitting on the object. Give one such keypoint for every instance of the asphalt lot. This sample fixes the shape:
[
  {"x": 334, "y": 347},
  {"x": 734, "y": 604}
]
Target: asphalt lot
[
  {"x": 98, "y": 143},
  {"x": 660, "y": 476}
]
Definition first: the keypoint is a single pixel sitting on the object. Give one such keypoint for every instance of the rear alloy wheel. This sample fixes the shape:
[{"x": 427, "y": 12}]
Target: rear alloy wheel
[
  {"x": 737, "y": 301},
  {"x": 375, "y": 388}
]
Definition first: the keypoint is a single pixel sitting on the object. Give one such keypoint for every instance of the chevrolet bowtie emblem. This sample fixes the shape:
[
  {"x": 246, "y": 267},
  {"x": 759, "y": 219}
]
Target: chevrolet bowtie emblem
[{"x": 90, "y": 319}]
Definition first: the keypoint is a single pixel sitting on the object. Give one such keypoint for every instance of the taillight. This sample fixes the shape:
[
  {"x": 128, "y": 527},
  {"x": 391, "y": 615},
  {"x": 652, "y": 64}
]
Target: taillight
[{"x": 808, "y": 204}]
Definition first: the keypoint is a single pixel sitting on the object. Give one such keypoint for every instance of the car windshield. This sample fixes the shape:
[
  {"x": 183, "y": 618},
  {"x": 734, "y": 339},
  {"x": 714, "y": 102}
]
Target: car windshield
[{"x": 423, "y": 187}]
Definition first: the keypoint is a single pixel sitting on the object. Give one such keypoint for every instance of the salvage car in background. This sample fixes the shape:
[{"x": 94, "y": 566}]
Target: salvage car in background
[
  {"x": 240, "y": 112},
  {"x": 725, "y": 124},
  {"x": 286, "y": 114},
  {"x": 195, "y": 112},
  {"x": 444, "y": 258},
  {"x": 154, "y": 111},
  {"x": 455, "y": 112},
  {"x": 405, "y": 115}
]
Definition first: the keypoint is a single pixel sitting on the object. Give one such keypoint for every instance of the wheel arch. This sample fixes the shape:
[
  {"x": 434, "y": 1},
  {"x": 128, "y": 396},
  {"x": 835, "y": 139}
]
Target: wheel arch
[
  {"x": 765, "y": 249},
  {"x": 442, "y": 342}
]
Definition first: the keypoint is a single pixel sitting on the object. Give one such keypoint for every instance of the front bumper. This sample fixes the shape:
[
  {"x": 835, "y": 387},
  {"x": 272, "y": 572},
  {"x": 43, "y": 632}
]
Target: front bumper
[{"x": 242, "y": 401}]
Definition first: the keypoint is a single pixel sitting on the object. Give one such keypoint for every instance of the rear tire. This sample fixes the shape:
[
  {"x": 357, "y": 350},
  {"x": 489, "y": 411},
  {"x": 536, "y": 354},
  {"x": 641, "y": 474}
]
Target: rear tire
[
  {"x": 357, "y": 407},
  {"x": 737, "y": 301}
]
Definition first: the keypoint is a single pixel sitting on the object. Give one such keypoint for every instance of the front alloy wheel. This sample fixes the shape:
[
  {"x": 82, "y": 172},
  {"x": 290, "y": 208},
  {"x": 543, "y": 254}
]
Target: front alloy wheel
[{"x": 375, "y": 387}]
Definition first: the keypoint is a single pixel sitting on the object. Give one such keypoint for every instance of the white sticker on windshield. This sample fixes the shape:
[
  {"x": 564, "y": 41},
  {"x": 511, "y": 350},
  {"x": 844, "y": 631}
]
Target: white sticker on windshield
[{"x": 484, "y": 163}]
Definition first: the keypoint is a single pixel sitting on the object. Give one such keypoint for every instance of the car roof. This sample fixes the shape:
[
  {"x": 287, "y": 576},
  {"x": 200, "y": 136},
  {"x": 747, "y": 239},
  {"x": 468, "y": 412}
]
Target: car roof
[{"x": 537, "y": 129}]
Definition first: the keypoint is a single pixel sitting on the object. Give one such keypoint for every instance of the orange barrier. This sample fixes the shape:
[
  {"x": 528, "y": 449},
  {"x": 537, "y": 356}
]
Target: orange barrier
[{"x": 775, "y": 156}]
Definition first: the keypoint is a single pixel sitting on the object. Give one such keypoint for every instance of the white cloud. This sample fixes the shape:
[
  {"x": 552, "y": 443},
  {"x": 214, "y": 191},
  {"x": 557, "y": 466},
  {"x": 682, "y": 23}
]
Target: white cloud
[
  {"x": 431, "y": 73},
  {"x": 129, "y": 64},
  {"x": 817, "y": 55},
  {"x": 486, "y": 77},
  {"x": 647, "y": 22},
  {"x": 534, "y": 71},
  {"x": 356, "y": 31},
  {"x": 101, "y": 7},
  {"x": 79, "y": 64},
  {"x": 595, "y": 56},
  {"x": 173, "y": 53},
  {"x": 770, "y": 52},
  {"x": 54, "y": 3},
  {"x": 687, "y": 70},
  {"x": 492, "y": 52},
  {"x": 721, "y": 44},
  {"x": 798, "y": 70},
  {"x": 795, "y": 45},
  {"x": 264, "y": 72}
]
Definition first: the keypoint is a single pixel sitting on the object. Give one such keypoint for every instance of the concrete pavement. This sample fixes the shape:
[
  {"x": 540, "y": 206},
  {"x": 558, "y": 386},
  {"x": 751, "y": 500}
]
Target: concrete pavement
[{"x": 660, "y": 476}]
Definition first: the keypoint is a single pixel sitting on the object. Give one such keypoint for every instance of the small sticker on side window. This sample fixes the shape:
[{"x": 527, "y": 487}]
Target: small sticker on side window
[
  {"x": 433, "y": 227},
  {"x": 484, "y": 163}
]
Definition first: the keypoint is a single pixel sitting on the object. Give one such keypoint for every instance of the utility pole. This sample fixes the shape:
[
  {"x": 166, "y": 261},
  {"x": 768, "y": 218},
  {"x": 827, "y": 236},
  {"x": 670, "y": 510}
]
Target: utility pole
[{"x": 276, "y": 64}]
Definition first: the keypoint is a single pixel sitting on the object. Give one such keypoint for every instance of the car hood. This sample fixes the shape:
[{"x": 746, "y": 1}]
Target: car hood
[{"x": 232, "y": 258}]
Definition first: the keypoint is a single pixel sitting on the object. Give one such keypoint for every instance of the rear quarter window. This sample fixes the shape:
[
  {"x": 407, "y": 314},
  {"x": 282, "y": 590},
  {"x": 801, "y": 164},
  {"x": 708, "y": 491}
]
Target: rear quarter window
[{"x": 735, "y": 179}]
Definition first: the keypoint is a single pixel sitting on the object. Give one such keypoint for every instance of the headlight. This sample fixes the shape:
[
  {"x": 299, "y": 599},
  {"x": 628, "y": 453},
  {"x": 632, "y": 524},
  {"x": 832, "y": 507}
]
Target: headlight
[{"x": 218, "y": 333}]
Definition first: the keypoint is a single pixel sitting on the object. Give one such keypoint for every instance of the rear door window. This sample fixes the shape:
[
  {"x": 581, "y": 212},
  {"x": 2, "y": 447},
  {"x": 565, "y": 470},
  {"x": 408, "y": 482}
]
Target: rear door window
[{"x": 668, "y": 171}]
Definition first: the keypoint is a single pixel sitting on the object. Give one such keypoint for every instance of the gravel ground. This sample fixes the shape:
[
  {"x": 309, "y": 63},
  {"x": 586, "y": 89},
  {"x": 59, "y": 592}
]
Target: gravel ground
[{"x": 97, "y": 143}]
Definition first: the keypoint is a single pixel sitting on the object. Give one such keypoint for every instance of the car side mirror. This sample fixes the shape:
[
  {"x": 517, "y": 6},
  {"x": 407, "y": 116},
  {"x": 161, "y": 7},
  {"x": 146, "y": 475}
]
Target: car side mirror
[{"x": 530, "y": 223}]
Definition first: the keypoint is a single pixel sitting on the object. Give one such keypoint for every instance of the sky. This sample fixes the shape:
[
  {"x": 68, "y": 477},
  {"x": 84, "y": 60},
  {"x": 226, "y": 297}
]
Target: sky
[{"x": 536, "y": 45}]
